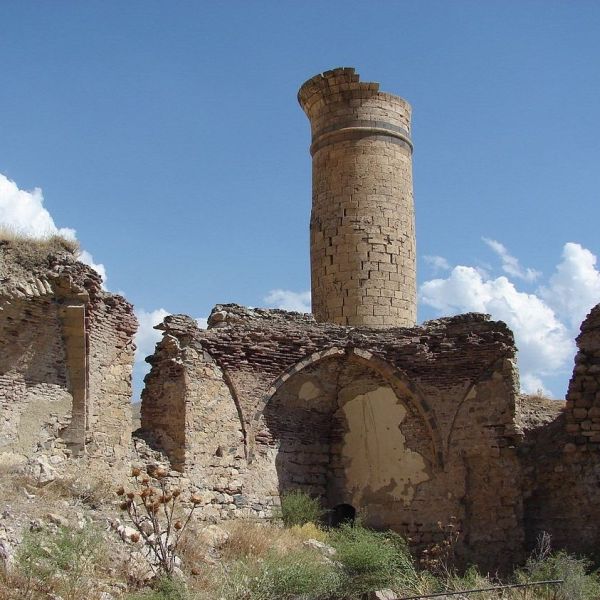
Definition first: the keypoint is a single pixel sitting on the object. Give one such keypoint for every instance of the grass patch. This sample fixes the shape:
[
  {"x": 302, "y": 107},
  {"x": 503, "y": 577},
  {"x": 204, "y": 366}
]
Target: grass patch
[
  {"x": 165, "y": 588},
  {"x": 47, "y": 244},
  {"x": 580, "y": 581},
  {"x": 61, "y": 561},
  {"x": 302, "y": 574},
  {"x": 372, "y": 560}
]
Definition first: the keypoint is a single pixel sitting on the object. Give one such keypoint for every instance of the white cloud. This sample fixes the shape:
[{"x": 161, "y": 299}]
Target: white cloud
[
  {"x": 510, "y": 264},
  {"x": 202, "y": 322},
  {"x": 575, "y": 285},
  {"x": 545, "y": 323},
  {"x": 288, "y": 300},
  {"x": 531, "y": 384},
  {"x": 545, "y": 344},
  {"x": 437, "y": 263},
  {"x": 23, "y": 212},
  {"x": 145, "y": 341},
  {"x": 87, "y": 259}
]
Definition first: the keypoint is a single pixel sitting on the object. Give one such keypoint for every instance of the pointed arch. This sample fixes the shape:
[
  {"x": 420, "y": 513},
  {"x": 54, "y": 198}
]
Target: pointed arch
[{"x": 397, "y": 379}]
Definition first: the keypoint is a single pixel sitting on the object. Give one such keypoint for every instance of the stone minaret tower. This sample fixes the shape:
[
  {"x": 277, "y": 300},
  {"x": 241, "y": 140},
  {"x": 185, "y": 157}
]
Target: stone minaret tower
[{"x": 362, "y": 230}]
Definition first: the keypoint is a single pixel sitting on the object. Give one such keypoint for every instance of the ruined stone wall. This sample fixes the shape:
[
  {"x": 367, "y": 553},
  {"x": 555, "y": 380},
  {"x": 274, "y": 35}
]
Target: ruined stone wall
[
  {"x": 66, "y": 353},
  {"x": 362, "y": 228},
  {"x": 410, "y": 426},
  {"x": 110, "y": 327},
  {"x": 34, "y": 401},
  {"x": 561, "y": 457}
]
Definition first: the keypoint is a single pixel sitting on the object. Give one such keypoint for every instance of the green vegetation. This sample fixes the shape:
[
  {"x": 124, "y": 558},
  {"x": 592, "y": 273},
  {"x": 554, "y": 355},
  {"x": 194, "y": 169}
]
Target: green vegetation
[
  {"x": 299, "y": 574},
  {"x": 165, "y": 588},
  {"x": 261, "y": 561},
  {"x": 371, "y": 560},
  {"x": 61, "y": 561},
  {"x": 298, "y": 508}
]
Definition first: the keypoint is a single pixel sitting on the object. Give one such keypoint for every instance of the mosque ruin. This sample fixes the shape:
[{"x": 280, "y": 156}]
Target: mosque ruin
[{"x": 413, "y": 426}]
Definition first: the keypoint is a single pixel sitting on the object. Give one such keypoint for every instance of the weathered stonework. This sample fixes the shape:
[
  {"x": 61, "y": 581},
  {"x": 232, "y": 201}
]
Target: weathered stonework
[
  {"x": 66, "y": 355},
  {"x": 413, "y": 426},
  {"x": 561, "y": 457},
  {"x": 410, "y": 426},
  {"x": 362, "y": 230}
]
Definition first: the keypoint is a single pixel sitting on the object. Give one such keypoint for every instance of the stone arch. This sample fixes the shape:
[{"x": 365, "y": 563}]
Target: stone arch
[
  {"x": 498, "y": 365},
  {"x": 344, "y": 425},
  {"x": 396, "y": 377}
]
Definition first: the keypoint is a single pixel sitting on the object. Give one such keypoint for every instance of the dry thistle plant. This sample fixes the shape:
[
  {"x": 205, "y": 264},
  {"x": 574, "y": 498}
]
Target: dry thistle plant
[
  {"x": 152, "y": 512},
  {"x": 440, "y": 557}
]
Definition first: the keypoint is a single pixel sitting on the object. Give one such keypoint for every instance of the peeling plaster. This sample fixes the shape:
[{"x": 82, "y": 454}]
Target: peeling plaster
[{"x": 374, "y": 451}]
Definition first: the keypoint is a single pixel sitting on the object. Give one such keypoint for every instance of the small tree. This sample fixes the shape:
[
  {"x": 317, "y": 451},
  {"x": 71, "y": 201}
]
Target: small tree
[{"x": 152, "y": 512}]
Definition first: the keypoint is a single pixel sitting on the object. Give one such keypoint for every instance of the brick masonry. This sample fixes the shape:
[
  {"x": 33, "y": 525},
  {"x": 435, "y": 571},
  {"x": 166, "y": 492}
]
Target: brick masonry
[
  {"x": 66, "y": 356},
  {"x": 561, "y": 457},
  {"x": 266, "y": 401},
  {"x": 362, "y": 230},
  {"x": 414, "y": 426}
]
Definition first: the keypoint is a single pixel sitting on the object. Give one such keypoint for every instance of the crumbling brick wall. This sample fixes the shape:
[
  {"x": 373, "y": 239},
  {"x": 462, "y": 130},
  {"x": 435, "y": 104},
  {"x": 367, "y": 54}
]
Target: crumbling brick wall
[
  {"x": 561, "y": 457},
  {"x": 440, "y": 400},
  {"x": 66, "y": 355}
]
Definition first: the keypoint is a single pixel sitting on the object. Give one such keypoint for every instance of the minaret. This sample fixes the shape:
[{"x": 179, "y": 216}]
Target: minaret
[{"x": 362, "y": 230}]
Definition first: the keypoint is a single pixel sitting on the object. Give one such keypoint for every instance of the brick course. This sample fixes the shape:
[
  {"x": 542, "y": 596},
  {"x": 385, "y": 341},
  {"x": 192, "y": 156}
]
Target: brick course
[{"x": 362, "y": 231}]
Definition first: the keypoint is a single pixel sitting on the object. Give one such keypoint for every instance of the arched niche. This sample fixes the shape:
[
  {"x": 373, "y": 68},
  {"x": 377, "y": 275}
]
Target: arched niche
[{"x": 348, "y": 427}]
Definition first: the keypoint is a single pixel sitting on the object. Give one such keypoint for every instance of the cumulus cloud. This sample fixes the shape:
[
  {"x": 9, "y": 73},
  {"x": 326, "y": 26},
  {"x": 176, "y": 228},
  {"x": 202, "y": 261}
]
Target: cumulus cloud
[
  {"x": 23, "y": 212},
  {"x": 510, "y": 264},
  {"x": 575, "y": 285},
  {"x": 86, "y": 258},
  {"x": 146, "y": 336},
  {"x": 544, "y": 343},
  {"x": 288, "y": 300},
  {"x": 145, "y": 341},
  {"x": 437, "y": 263},
  {"x": 545, "y": 323}
]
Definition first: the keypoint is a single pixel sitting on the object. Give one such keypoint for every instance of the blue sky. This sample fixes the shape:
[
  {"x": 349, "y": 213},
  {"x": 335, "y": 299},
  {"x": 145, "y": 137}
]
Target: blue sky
[{"x": 168, "y": 136}]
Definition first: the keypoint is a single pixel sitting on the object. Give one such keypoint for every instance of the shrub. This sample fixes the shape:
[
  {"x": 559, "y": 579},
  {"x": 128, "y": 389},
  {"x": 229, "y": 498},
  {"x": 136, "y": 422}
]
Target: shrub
[
  {"x": 61, "y": 561},
  {"x": 372, "y": 560},
  {"x": 298, "y": 508},
  {"x": 579, "y": 582},
  {"x": 302, "y": 575}
]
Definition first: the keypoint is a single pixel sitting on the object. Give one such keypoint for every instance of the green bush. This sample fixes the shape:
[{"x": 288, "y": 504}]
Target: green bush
[
  {"x": 298, "y": 508},
  {"x": 61, "y": 561},
  {"x": 372, "y": 560},
  {"x": 580, "y": 583},
  {"x": 299, "y": 575}
]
